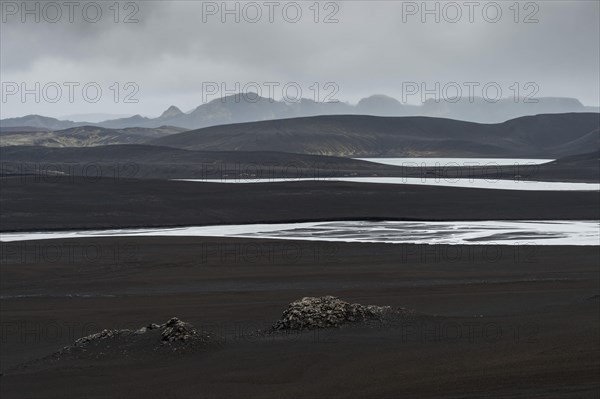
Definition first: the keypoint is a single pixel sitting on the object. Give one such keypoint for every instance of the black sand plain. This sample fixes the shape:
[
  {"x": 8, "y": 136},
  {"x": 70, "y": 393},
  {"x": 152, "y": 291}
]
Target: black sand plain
[
  {"x": 490, "y": 320},
  {"x": 493, "y": 321},
  {"x": 34, "y": 203}
]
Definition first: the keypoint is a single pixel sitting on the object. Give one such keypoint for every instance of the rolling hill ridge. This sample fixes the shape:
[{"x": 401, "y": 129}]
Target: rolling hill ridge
[{"x": 541, "y": 136}]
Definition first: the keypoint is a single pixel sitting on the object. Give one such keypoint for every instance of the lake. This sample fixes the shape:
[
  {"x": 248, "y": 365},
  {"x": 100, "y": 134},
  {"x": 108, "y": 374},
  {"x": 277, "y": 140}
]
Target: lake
[{"x": 455, "y": 162}]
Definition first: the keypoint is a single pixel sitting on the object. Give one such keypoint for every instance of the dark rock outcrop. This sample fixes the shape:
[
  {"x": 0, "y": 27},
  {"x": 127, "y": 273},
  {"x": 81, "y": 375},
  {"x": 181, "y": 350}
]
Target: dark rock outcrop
[
  {"x": 330, "y": 312},
  {"x": 174, "y": 335}
]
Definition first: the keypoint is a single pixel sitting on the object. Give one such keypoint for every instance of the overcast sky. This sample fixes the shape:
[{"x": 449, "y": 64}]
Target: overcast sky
[{"x": 177, "y": 48}]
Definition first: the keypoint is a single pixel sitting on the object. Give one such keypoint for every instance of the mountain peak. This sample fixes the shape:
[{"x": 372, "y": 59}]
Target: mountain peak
[
  {"x": 378, "y": 99},
  {"x": 171, "y": 112},
  {"x": 247, "y": 97},
  {"x": 379, "y": 104}
]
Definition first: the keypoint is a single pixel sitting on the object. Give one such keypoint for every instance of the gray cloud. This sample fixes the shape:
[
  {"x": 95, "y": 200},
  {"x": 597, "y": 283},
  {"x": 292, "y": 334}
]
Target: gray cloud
[{"x": 172, "y": 51}]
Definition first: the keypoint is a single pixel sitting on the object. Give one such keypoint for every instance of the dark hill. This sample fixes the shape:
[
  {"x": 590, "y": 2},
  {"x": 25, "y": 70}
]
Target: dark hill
[
  {"x": 145, "y": 161},
  {"x": 84, "y": 136},
  {"x": 543, "y": 136},
  {"x": 154, "y": 162}
]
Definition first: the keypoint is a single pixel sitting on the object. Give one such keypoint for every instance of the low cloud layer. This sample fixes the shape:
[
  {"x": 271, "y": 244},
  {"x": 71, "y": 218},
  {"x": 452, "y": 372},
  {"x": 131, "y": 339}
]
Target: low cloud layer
[{"x": 177, "y": 49}]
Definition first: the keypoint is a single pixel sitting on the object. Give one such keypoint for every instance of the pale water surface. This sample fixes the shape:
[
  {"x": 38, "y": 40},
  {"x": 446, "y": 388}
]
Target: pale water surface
[
  {"x": 454, "y": 162},
  {"x": 394, "y": 232},
  {"x": 430, "y": 181},
  {"x": 490, "y": 183}
]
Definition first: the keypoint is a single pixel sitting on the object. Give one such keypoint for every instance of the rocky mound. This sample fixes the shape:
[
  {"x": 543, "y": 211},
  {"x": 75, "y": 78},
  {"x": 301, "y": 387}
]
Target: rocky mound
[
  {"x": 330, "y": 312},
  {"x": 172, "y": 330},
  {"x": 174, "y": 335}
]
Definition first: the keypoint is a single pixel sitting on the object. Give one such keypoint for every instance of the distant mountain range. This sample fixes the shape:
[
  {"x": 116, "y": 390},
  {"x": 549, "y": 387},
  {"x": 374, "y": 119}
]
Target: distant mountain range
[
  {"x": 93, "y": 117},
  {"x": 251, "y": 108}
]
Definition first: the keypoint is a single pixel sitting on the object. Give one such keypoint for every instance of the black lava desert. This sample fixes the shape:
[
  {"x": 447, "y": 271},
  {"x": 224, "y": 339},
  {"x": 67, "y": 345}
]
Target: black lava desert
[{"x": 327, "y": 199}]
